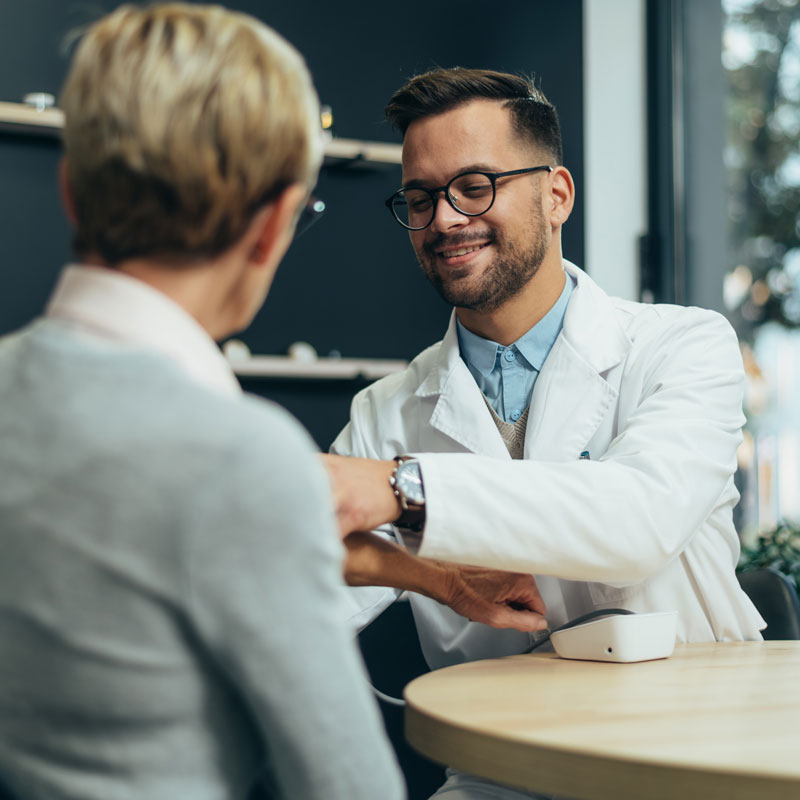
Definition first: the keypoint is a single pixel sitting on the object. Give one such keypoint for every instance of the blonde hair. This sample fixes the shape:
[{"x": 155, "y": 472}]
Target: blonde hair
[{"x": 182, "y": 121}]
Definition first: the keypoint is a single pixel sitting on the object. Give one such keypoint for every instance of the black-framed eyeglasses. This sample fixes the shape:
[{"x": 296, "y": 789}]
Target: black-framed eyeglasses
[
  {"x": 312, "y": 211},
  {"x": 470, "y": 193}
]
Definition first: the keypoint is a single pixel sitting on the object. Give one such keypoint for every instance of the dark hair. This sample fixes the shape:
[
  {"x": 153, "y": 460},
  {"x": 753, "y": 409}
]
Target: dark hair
[{"x": 439, "y": 90}]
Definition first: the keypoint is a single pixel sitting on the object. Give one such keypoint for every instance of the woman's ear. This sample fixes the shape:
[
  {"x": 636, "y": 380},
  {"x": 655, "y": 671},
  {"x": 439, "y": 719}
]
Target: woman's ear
[
  {"x": 562, "y": 196},
  {"x": 272, "y": 228},
  {"x": 65, "y": 188}
]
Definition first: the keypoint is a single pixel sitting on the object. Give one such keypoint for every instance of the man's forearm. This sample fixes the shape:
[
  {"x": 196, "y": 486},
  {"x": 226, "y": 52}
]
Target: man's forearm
[{"x": 494, "y": 597}]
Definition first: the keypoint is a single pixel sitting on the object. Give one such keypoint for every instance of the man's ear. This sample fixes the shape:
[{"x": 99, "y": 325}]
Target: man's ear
[
  {"x": 65, "y": 188},
  {"x": 562, "y": 196},
  {"x": 271, "y": 230}
]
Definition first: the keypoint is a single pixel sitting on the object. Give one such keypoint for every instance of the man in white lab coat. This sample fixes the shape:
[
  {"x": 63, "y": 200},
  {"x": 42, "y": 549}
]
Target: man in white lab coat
[{"x": 555, "y": 430}]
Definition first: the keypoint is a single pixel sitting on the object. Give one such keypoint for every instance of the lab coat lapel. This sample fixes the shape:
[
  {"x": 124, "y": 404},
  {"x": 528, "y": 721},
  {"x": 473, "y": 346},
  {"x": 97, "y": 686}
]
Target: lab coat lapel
[
  {"x": 571, "y": 396},
  {"x": 569, "y": 401},
  {"x": 460, "y": 412}
]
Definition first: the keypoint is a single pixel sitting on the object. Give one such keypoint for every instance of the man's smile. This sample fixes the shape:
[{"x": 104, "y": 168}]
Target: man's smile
[
  {"x": 461, "y": 250},
  {"x": 458, "y": 249}
]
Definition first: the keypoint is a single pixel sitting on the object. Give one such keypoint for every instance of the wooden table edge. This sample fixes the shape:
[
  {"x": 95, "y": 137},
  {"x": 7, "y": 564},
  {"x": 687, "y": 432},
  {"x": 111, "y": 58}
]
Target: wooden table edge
[{"x": 576, "y": 773}]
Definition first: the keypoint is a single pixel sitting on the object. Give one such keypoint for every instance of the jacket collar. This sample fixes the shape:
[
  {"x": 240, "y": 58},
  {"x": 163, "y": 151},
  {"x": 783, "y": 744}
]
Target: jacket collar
[{"x": 118, "y": 307}]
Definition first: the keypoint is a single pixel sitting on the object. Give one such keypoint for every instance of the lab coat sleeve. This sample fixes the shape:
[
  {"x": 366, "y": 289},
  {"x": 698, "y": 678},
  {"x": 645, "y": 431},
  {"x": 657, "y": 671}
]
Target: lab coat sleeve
[{"x": 624, "y": 515}]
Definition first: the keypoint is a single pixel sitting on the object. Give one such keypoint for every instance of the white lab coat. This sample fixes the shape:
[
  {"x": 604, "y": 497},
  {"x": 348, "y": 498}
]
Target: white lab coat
[{"x": 654, "y": 394}]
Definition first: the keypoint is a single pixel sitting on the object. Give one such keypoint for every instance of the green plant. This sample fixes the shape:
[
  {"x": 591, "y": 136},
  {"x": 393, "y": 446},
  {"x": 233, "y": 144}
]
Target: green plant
[{"x": 778, "y": 548}]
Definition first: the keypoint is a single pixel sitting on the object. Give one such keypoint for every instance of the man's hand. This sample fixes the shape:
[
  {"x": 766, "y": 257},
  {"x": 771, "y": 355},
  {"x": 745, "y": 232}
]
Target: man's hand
[
  {"x": 364, "y": 499},
  {"x": 493, "y": 597}
]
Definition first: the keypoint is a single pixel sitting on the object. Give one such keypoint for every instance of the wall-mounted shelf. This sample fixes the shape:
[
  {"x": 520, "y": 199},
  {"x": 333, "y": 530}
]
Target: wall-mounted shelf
[
  {"x": 21, "y": 118},
  {"x": 355, "y": 150},
  {"x": 318, "y": 369},
  {"x": 24, "y": 119}
]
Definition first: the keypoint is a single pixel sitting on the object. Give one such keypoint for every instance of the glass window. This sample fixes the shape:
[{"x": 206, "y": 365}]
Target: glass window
[{"x": 761, "y": 59}]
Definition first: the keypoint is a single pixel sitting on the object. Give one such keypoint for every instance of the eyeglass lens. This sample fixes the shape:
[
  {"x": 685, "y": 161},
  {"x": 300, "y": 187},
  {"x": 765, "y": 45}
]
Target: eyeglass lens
[{"x": 471, "y": 194}]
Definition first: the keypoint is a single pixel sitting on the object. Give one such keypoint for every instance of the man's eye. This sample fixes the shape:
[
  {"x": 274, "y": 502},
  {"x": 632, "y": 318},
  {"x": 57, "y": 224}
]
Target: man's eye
[
  {"x": 475, "y": 190},
  {"x": 419, "y": 203}
]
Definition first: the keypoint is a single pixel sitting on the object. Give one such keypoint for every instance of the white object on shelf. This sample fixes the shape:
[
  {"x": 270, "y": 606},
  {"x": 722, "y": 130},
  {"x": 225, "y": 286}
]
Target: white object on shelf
[
  {"x": 235, "y": 350},
  {"x": 302, "y": 352},
  {"x": 39, "y": 100},
  {"x": 38, "y": 118}
]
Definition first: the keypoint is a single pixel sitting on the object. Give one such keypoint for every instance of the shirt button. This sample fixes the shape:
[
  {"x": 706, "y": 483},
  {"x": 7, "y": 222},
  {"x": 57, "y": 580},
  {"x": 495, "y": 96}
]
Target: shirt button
[
  {"x": 509, "y": 355},
  {"x": 515, "y": 415}
]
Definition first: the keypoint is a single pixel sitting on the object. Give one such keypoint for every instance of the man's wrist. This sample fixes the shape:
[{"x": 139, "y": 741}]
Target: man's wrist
[{"x": 409, "y": 490}]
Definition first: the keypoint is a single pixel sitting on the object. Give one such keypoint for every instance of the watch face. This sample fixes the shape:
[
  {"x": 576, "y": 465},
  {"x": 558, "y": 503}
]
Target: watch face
[{"x": 409, "y": 482}]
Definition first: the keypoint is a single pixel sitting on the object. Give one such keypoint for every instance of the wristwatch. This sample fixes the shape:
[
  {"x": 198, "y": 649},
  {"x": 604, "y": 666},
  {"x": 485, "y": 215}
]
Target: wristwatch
[{"x": 406, "y": 483}]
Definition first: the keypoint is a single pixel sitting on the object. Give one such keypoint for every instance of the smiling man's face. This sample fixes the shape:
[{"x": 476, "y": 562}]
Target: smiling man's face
[{"x": 477, "y": 263}]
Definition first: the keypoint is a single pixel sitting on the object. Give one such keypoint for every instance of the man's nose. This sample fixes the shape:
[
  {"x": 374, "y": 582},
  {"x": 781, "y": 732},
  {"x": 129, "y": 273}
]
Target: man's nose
[{"x": 446, "y": 216}]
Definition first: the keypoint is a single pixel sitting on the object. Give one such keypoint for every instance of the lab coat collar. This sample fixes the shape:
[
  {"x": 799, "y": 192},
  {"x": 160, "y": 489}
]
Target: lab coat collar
[
  {"x": 591, "y": 324},
  {"x": 460, "y": 412},
  {"x": 571, "y": 394}
]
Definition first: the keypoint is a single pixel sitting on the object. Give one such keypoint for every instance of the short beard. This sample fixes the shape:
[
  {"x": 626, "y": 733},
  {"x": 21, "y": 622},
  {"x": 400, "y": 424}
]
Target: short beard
[{"x": 503, "y": 279}]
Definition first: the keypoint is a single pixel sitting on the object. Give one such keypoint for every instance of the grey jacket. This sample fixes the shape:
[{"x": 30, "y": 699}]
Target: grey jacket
[{"x": 169, "y": 585}]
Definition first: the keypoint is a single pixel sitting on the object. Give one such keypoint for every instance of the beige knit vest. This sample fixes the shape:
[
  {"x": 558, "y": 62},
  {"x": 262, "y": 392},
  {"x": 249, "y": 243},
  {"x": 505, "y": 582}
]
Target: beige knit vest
[{"x": 513, "y": 433}]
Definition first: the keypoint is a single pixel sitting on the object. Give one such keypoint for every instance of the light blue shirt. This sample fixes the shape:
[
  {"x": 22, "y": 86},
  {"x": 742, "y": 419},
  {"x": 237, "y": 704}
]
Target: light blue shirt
[{"x": 506, "y": 375}]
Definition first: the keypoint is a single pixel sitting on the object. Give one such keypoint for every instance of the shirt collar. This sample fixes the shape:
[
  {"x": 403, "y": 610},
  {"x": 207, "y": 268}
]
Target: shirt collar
[
  {"x": 534, "y": 346},
  {"x": 116, "y": 306}
]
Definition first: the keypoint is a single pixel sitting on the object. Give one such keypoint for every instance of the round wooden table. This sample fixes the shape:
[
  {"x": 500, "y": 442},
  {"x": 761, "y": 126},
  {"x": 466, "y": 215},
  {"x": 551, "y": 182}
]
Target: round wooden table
[{"x": 712, "y": 721}]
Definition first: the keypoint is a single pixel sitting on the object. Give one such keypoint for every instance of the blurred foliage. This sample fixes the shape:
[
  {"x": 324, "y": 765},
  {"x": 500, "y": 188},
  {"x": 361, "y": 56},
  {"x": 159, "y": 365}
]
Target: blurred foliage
[
  {"x": 778, "y": 548},
  {"x": 761, "y": 56}
]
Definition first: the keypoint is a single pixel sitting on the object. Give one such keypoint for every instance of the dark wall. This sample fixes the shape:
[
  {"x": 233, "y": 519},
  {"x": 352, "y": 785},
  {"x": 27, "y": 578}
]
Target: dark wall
[{"x": 351, "y": 284}]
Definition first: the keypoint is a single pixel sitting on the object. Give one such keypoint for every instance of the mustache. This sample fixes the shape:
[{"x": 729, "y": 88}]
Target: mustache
[{"x": 461, "y": 239}]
